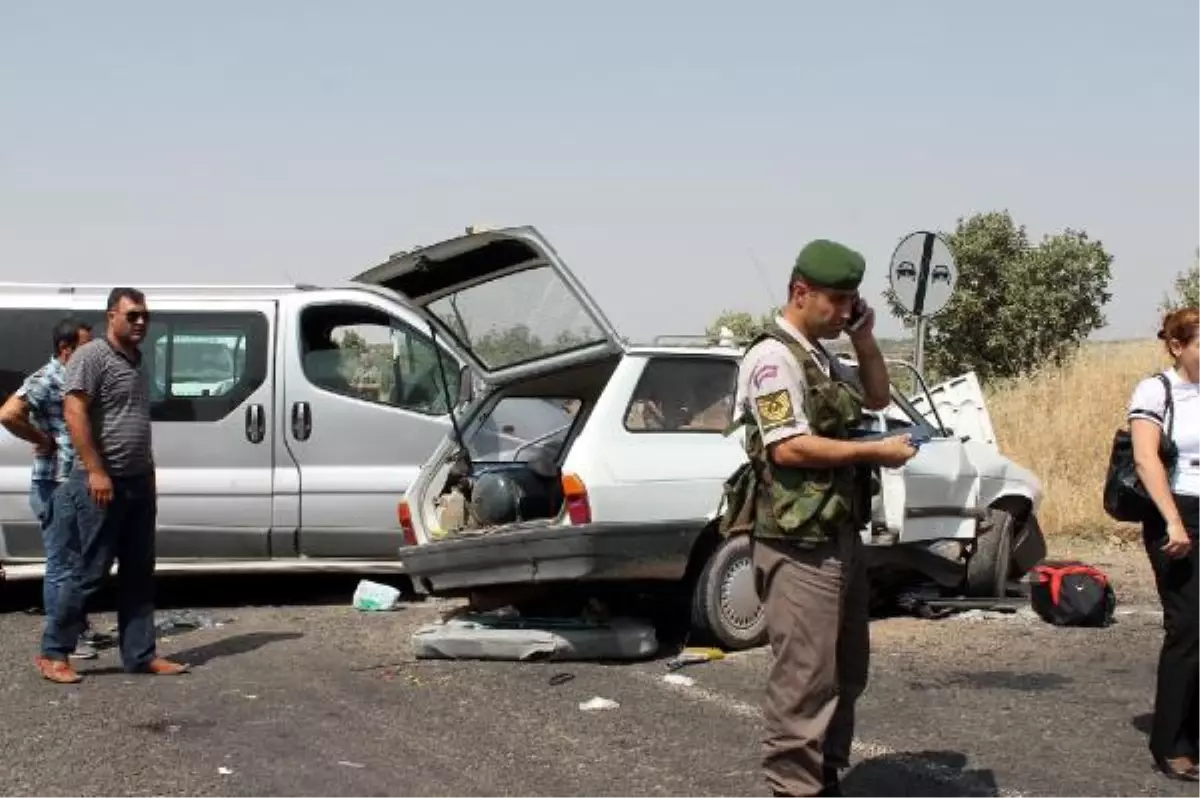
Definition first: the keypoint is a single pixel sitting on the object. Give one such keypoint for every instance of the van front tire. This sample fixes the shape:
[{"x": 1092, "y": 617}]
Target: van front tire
[{"x": 725, "y": 603}]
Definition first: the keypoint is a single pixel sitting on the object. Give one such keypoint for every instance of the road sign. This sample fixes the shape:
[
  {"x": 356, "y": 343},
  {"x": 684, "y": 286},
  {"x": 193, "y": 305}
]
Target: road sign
[{"x": 923, "y": 275}]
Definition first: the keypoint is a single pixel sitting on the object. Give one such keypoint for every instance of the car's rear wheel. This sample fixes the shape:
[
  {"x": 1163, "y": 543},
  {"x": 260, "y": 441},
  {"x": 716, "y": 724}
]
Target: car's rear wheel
[{"x": 725, "y": 602}]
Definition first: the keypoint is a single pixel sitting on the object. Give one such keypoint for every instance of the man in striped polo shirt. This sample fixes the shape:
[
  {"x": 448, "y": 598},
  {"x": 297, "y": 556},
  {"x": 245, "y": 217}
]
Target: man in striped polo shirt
[{"x": 110, "y": 496}]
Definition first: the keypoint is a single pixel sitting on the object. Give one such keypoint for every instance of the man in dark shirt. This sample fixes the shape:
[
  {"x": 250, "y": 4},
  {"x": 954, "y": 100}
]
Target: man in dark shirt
[{"x": 110, "y": 496}]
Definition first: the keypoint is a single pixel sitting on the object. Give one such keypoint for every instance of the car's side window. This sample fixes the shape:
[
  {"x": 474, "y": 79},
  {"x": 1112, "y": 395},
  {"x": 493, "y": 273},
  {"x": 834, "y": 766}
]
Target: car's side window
[
  {"x": 366, "y": 354},
  {"x": 202, "y": 366},
  {"x": 683, "y": 394}
]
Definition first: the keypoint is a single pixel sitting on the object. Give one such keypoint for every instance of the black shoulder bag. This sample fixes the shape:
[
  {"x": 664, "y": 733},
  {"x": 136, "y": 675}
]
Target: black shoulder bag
[{"x": 1125, "y": 498}]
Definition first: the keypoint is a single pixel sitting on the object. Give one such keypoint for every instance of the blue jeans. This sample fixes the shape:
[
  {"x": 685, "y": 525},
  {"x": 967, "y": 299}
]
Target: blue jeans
[
  {"x": 123, "y": 530},
  {"x": 62, "y": 556},
  {"x": 54, "y": 539}
]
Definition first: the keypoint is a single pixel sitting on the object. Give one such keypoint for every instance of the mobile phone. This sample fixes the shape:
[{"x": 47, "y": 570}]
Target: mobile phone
[
  {"x": 919, "y": 437},
  {"x": 857, "y": 316}
]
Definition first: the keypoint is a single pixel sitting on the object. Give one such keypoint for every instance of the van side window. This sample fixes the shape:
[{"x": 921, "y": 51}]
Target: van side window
[
  {"x": 682, "y": 394},
  {"x": 367, "y": 354},
  {"x": 203, "y": 366},
  {"x": 27, "y": 334}
]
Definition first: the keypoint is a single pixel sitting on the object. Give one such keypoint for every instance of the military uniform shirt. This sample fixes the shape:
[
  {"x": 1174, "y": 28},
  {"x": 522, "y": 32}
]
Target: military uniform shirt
[{"x": 771, "y": 384}]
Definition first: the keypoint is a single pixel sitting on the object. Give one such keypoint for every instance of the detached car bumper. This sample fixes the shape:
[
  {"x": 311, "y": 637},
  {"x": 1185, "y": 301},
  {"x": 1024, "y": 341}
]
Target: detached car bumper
[{"x": 589, "y": 552}]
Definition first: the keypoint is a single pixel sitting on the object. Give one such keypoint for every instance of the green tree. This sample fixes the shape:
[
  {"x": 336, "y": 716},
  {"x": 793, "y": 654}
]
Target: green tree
[
  {"x": 743, "y": 325},
  {"x": 511, "y": 345},
  {"x": 1187, "y": 288},
  {"x": 1016, "y": 305}
]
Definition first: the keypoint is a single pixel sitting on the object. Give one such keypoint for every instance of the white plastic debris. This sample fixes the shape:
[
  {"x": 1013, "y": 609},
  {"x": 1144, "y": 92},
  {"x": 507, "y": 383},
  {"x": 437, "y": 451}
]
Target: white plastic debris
[
  {"x": 348, "y": 764},
  {"x": 596, "y": 704},
  {"x": 224, "y": 771},
  {"x": 1022, "y": 615},
  {"x": 679, "y": 679},
  {"x": 373, "y": 597},
  {"x": 491, "y": 637}
]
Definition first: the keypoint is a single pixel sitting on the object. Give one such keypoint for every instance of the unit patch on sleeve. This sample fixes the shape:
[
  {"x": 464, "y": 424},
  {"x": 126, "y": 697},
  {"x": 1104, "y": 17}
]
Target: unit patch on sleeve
[{"x": 775, "y": 409}]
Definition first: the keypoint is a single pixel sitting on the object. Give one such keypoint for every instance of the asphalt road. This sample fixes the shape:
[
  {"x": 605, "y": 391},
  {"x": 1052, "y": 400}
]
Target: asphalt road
[{"x": 310, "y": 697}]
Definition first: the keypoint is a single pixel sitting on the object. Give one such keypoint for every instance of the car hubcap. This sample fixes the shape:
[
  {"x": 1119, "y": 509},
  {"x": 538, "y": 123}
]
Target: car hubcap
[{"x": 739, "y": 601}]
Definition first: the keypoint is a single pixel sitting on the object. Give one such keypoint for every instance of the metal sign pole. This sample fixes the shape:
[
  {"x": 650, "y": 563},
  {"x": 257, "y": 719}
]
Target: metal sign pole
[
  {"x": 919, "y": 302},
  {"x": 919, "y": 353}
]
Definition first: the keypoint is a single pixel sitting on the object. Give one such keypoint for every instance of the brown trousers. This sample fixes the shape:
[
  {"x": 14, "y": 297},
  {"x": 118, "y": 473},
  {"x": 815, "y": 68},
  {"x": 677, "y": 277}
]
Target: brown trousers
[{"x": 816, "y": 605}]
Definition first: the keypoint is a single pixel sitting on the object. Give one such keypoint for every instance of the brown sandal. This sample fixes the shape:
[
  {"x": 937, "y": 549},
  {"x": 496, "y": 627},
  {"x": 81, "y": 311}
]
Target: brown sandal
[{"x": 57, "y": 670}]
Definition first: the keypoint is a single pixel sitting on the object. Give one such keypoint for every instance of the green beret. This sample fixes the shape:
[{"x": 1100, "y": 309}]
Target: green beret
[{"x": 829, "y": 264}]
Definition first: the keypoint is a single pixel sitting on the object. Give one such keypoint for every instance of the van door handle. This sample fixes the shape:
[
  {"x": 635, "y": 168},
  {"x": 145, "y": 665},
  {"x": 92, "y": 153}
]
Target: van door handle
[
  {"x": 301, "y": 421},
  {"x": 256, "y": 428}
]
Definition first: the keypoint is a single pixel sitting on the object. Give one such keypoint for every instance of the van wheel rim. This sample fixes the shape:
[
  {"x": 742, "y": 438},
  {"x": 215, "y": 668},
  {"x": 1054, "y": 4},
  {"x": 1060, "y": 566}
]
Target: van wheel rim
[{"x": 739, "y": 601}]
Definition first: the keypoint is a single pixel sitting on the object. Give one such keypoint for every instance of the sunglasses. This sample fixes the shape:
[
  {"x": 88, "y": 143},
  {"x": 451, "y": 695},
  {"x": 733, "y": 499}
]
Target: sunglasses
[{"x": 134, "y": 316}]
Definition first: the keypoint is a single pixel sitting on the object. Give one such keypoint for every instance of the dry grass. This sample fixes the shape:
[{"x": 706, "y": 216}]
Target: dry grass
[{"x": 1060, "y": 423}]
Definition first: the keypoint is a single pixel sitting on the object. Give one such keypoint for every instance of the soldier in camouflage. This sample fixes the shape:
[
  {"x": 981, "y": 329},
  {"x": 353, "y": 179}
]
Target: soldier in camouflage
[{"x": 804, "y": 496}]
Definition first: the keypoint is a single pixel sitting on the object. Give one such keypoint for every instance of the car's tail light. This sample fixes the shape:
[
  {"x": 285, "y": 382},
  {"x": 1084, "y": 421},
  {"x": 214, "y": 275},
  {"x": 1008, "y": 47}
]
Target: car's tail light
[
  {"x": 579, "y": 510},
  {"x": 404, "y": 514}
]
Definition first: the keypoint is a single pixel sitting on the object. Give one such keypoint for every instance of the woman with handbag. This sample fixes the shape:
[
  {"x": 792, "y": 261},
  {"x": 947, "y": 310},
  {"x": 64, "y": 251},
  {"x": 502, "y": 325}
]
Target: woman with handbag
[{"x": 1164, "y": 417}]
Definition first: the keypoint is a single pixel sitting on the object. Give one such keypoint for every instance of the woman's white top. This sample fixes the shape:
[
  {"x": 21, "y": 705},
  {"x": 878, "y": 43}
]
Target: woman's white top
[{"x": 1149, "y": 401}]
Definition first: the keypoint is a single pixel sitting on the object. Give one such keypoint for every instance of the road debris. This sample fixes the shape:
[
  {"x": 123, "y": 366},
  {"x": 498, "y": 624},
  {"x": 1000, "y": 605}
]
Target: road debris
[
  {"x": 1022, "y": 614},
  {"x": 486, "y": 636},
  {"x": 679, "y": 679},
  {"x": 694, "y": 656},
  {"x": 347, "y": 764},
  {"x": 596, "y": 704},
  {"x": 224, "y": 771},
  {"x": 179, "y": 621},
  {"x": 375, "y": 597}
]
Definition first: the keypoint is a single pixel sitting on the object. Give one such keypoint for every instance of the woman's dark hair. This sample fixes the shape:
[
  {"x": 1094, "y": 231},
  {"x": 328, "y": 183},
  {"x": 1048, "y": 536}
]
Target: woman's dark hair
[{"x": 1179, "y": 325}]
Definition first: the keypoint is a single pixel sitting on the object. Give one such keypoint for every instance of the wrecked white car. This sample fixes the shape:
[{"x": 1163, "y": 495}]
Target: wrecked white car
[{"x": 585, "y": 460}]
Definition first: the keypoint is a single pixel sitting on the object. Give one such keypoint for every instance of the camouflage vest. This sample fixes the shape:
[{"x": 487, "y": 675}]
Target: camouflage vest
[{"x": 807, "y": 505}]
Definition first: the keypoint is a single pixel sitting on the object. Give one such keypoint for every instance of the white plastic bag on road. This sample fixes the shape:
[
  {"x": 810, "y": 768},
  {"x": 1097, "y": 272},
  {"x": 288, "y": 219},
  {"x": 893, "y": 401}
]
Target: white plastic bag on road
[
  {"x": 373, "y": 597},
  {"x": 597, "y": 704}
]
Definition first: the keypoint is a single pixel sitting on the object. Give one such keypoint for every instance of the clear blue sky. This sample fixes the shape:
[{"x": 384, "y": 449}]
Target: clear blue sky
[{"x": 656, "y": 144}]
